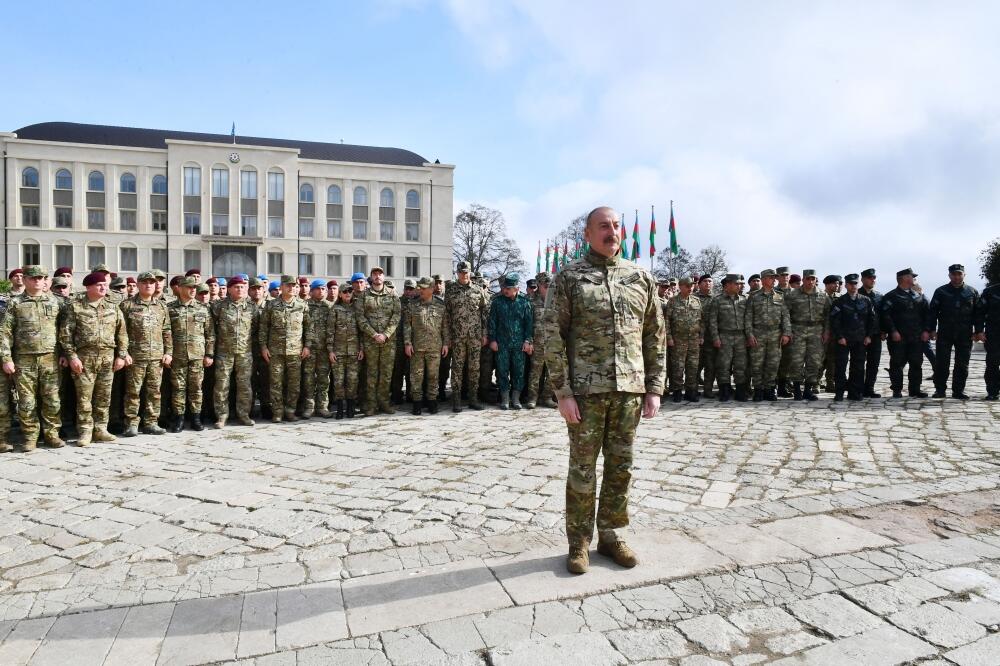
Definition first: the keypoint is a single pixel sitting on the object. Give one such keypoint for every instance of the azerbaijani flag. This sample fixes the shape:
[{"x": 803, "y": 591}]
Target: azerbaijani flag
[
  {"x": 555, "y": 259},
  {"x": 636, "y": 252},
  {"x": 538, "y": 258},
  {"x": 624, "y": 238},
  {"x": 565, "y": 252},
  {"x": 652, "y": 232},
  {"x": 674, "y": 248},
  {"x": 548, "y": 254}
]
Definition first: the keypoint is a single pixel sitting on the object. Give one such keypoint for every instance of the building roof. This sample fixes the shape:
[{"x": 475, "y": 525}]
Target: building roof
[{"x": 137, "y": 137}]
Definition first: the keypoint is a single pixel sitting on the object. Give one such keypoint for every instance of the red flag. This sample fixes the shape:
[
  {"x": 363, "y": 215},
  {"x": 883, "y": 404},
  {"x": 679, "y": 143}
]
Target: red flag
[{"x": 652, "y": 232}]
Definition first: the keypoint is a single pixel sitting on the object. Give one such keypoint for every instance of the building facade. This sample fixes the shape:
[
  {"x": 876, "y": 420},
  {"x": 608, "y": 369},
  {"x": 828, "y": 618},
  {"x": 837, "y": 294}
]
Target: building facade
[{"x": 138, "y": 199}]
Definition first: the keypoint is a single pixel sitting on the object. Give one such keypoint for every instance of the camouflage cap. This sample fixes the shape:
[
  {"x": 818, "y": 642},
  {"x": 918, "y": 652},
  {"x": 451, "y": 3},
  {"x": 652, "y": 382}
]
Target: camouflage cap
[
  {"x": 375, "y": 269},
  {"x": 288, "y": 279},
  {"x": 158, "y": 274},
  {"x": 731, "y": 277},
  {"x": 100, "y": 268},
  {"x": 808, "y": 272},
  {"x": 60, "y": 282},
  {"x": 188, "y": 281},
  {"x": 663, "y": 282},
  {"x": 146, "y": 275},
  {"x": 202, "y": 288},
  {"x": 117, "y": 282},
  {"x": 437, "y": 277},
  {"x": 478, "y": 275},
  {"x": 768, "y": 272},
  {"x": 463, "y": 267},
  {"x": 544, "y": 277},
  {"x": 35, "y": 271},
  {"x": 409, "y": 283},
  {"x": 672, "y": 281},
  {"x": 389, "y": 284},
  {"x": 425, "y": 283},
  {"x": 255, "y": 282},
  {"x": 685, "y": 282},
  {"x": 781, "y": 270}
]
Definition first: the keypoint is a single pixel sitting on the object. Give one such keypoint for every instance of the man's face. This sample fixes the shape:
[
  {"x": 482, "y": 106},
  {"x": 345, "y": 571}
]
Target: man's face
[
  {"x": 256, "y": 293},
  {"x": 905, "y": 281},
  {"x": 783, "y": 279},
  {"x": 731, "y": 288},
  {"x": 159, "y": 285},
  {"x": 510, "y": 292},
  {"x": 754, "y": 284},
  {"x": 464, "y": 277},
  {"x": 17, "y": 280},
  {"x": 808, "y": 284},
  {"x": 377, "y": 278},
  {"x": 131, "y": 288},
  {"x": 661, "y": 290},
  {"x": 869, "y": 282},
  {"x": 602, "y": 232},
  {"x": 147, "y": 288},
  {"x": 426, "y": 293},
  {"x": 767, "y": 282},
  {"x": 332, "y": 293},
  {"x": 223, "y": 290},
  {"x": 685, "y": 290},
  {"x": 288, "y": 290},
  {"x": 439, "y": 287},
  {"x": 213, "y": 289},
  {"x": 956, "y": 278},
  {"x": 196, "y": 276},
  {"x": 237, "y": 292},
  {"x": 186, "y": 293},
  {"x": 345, "y": 296},
  {"x": 118, "y": 290},
  {"x": 359, "y": 286},
  {"x": 97, "y": 290},
  {"x": 202, "y": 296},
  {"x": 531, "y": 290},
  {"x": 303, "y": 290},
  {"x": 852, "y": 288},
  {"x": 543, "y": 289},
  {"x": 317, "y": 293},
  {"x": 60, "y": 290},
  {"x": 705, "y": 286}
]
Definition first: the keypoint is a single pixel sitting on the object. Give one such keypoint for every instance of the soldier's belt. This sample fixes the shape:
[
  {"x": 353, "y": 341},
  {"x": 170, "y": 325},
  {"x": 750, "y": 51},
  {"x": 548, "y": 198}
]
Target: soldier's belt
[
  {"x": 732, "y": 331},
  {"x": 807, "y": 324}
]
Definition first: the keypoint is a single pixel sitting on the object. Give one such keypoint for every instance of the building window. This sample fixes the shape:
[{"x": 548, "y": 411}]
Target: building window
[
  {"x": 333, "y": 264},
  {"x": 275, "y": 186},
  {"x": 159, "y": 184},
  {"x": 95, "y": 218},
  {"x": 413, "y": 231},
  {"x": 160, "y": 258},
  {"x": 220, "y": 225},
  {"x": 412, "y": 199},
  {"x": 32, "y": 254},
  {"x": 192, "y": 181},
  {"x": 248, "y": 225},
  {"x": 29, "y": 177},
  {"x": 386, "y": 198},
  {"x": 220, "y": 182},
  {"x": 192, "y": 223},
  {"x": 64, "y": 255},
  {"x": 276, "y": 227},
  {"x": 360, "y": 262},
  {"x": 305, "y": 264},
  {"x": 360, "y": 229},
  {"x": 360, "y": 196},
  {"x": 29, "y": 216},
  {"x": 275, "y": 263},
  {"x": 95, "y": 181},
  {"x": 385, "y": 261},
  {"x": 95, "y": 255},
  {"x": 412, "y": 216},
  {"x": 192, "y": 259},
  {"x": 333, "y": 229},
  {"x": 413, "y": 267},
  {"x": 387, "y": 231},
  {"x": 64, "y": 180},
  {"x": 127, "y": 183},
  {"x": 64, "y": 219},
  {"x": 333, "y": 195},
  {"x": 306, "y": 193},
  {"x": 159, "y": 221},
  {"x": 306, "y": 227},
  {"x": 130, "y": 259},
  {"x": 126, "y": 220},
  {"x": 248, "y": 184}
]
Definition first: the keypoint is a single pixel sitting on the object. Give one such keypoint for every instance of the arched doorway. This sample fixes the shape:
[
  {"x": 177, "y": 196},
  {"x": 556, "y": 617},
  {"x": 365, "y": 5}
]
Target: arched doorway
[{"x": 228, "y": 260}]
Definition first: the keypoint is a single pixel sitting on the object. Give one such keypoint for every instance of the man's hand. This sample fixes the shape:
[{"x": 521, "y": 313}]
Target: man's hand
[
  {"x": 717, "y": 344},
  {"x": 896, "y": 337},
  {"x": 444, "y": 351},
  {"x": 265, "y": 354},
  {"x": 128, "y": 360},
  {"x": 485, "y": 341},
  {"x": 207, "y": 362},
  {"x": 408, "y": 350},
  {"x": 361, "y": 354},
  {"x": 670, "y": 342},
  {"x": 751, "y": 341},
  {"x": 380, "y": 338},
  {"x": 118, "y": 364},
  {"x": 494, "y": 346},
  {"x": 650, "y": 406},
  {"x": 304, "y": 354},
  {"x": 868, "y": 340},
  {"x": 527, "y": 348},
  {"x": 569, "y": 410},
  {"x": 925, "y": 336},
  {"x": 63, "y": 363},
  {"x": 842, "y": 342},
  {"x": 76, "y": 366},
  {"x": 166, "y": 360},
  {"x": 785, "y": 339},
  {"x": 9, "y": 368},
  {"x": 333, "y": 357}
]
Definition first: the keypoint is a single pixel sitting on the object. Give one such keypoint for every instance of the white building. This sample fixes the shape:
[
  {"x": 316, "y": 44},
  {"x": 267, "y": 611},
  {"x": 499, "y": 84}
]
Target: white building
[{"x": 137, "y": 199}]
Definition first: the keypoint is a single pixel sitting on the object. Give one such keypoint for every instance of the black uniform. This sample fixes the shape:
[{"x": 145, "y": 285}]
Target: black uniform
[
  {"x": 987, "y": 320},
  {"x": 951, "y": 313},
  {"x": 852, "y": 319},
  {"x": 905, "y": 312},
  {"x": 873, "y": 352}
]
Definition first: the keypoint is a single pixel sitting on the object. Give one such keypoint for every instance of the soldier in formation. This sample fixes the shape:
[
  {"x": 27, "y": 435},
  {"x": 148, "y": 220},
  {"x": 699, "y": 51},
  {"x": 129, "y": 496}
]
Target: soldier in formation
[
  {"x": 510, "y": 328},
  {"x": 683, "y": 318},
  {"x": 426, "y": 339}
]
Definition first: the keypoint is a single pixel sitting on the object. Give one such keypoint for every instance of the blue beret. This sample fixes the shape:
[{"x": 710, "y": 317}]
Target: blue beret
[
  {"x": 222, "y": 281},
  {"x": 262, "y": 277},
  {"x": 358, "y": 276},
  {"x": 274, "y": 284},
  {"x": 317, "y": 284},
  {"x": 243, "y": 275}
]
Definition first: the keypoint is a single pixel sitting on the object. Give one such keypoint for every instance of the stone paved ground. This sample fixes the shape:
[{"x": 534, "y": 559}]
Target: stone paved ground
[{"x": 819, "y": 533}]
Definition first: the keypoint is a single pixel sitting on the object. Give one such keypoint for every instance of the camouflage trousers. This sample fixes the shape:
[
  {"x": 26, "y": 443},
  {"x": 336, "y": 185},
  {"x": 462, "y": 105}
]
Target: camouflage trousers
[
  {"x": 345, "y": 376},
  {"x": 316, "y": 381},
  {"x": 805, "y": 353},
  {"x": 142, "y": 380},
  {"x": 510, "y": 368},
  {"x": 536, "y": 388},
  {"x": 731, "y": 360},
  {"x": 37, "y": 382},
  {"x": 286, "y": 382},
  {"x": 425, "y": 365},
  {"x": 786, "y": 368},
  {"x": 400, "y": 371},
  {"x": 706, "y": 364},
  {"x": 684, "y": 364},
  {"x": 235, "y": 370},
  {"x": 93, "y": 390},
  {"x": 465, "y": 355},
  {"x": 379, "y": 377},
  {"x": 764, "y": 360},
  {"x": 186, "y": 379},
  {"x": 4, "y": 408},
  {"x": 607, "y": 425}
]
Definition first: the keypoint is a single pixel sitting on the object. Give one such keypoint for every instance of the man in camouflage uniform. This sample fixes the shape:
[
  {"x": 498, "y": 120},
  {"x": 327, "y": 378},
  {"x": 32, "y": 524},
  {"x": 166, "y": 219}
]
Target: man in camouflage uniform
[
  {"x": 468, "y": 309},
  {"x": 604, "y": 342},
  {"x": 378, "y": 314},
  {"x": 768, "y": 329},
  {"x": 316, "y": 367},
  {"x": 707, "y": 353},
  {"x": 260, "y": 383},
  {"x": 284, "y": 324},
  {"x": 426, "y": 340},
  {"x": 539, "y": 387},
  {"x": 193, "y": 334},
  {"x": 150, "y": 348},
  {"x": 510, "y": 328},
  {"x": 343, "y": 346},
  {"x": 809, "y": 312},
  {"x": 852, "y": 325},
  {"x": 441, "y": 287},
  {"x": 28, "y": 341},
  {"x": 5, "y": 384},
  {"x": 94, "y": 341},
  {"x": 950, "y": 322},
  {"x": 784, "y": 287},
  {"x": 235, "y": 327},
  {"x": 831, "y": 285},
  {"x": 726, "y": 320},
  {"x": 401, "y": 366},
  {"x": 682, "y": 327}
]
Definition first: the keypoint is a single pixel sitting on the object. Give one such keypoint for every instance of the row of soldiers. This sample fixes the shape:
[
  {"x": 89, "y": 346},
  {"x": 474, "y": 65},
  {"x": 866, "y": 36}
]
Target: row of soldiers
[{"x": 777, "y": 340}]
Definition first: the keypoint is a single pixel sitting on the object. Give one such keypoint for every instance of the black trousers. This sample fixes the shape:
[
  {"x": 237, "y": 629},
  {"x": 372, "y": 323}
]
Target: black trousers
[
  {"x": 873, "y": 359},
  {"x": 906, "y": 353},
  {"x": 963, "y": 349},
  {"x": 853, "y": 354},
  {"x": 992, "y": 374}
]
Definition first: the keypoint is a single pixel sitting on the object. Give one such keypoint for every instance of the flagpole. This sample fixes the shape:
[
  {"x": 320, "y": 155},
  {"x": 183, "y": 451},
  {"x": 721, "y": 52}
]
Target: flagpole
[{"x": 652, "y": 212}]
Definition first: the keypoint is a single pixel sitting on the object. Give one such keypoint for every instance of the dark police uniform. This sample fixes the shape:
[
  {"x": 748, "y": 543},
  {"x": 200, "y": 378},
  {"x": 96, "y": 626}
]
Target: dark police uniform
[
  {"x": 950, "y": 313},
  {"x": 851, "y": 319},
  {"x": 873, "y": 352},
  {"x": 987, "y": 320},
  {"x": 905, "y": 312}
]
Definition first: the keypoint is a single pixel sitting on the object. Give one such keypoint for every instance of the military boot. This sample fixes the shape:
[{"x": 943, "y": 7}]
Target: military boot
[
  {"x": 810, "y": 393},
  {"x": 797, "y": 391},
  {"x": 340, "y": 410},
  {"x": 432, "y": 406},
  {"x": 677, "y": 396},
  {"x": 691, "y": 396},
  {"x": 529, "y": 401},
  {"x": 758, "y": 394},
  {"x": 515, "y": 400},
  {"x": 741, "y": 393},
  {"x": 504, "y": 400},
  {"x": 54, "y": 442},
  {"x": 196, "y": 423},
  {"x": 619, "y": 552},
  {"x": 153, "y": 429},
  {"x": 725, "y": 392},
  {"x": 783, "y": 390},
  {"x": 351, "y": 409},
  {"x": 177, "y": 424},
  {"x": 245, "y": 420},
  {"x": 85, "y": 438},
  {"x": 220, "y": 423},
  {"x": 456, "y": 402},
  {"x": 578, "y": 561},
  {"x": 417, "y": 406},
  {"x": 102, "y": 435},
  {"x": 769, "y": 394},
  {"x": 131, "y": 431},
  {"x": 838, "y": 396},
  {"x": 548, "y": 403},
  {"x": 707, "y": 393},
  {"x": 475, "y": 404},
  {"x": 323, "y": 413}
]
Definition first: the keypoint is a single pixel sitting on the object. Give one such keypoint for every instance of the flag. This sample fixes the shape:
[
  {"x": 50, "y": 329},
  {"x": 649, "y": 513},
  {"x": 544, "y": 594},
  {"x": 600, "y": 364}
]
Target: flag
[
  {"x": 232, "y": 133},
  {"x": 548, "y": 254},
  {"x": 565, "y": 252},
  {"x": 674, "y": 248},
  {"x": 652, "y": 232},
  {"x": 636, "y": 252},
  {"x": 555, "y": 259},
  {"x": 576, "y": 249},
  {"x": 538, "y": 258},
  {"x": 624, "y": 239}
]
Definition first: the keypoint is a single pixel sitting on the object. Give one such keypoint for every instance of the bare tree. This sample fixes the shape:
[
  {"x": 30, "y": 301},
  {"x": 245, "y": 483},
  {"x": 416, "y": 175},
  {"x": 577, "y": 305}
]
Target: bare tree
[
  {"x": 711, "y": 260},
  {"x": 480, "y": 238},
  {"x": 990, "y": 256},
  {"x": 669, "y": 265}
]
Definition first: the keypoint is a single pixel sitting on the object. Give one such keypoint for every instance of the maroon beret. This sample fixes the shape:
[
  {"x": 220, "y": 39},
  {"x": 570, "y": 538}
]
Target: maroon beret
[
  {"x": 211, "y": 280},
  {"x": 193, "y": 271},
  {"x": 235, "y": 280},
  {"x": 16, "y": 271},
  {"x": 114, "y": 275},
  {"x": 130, "y": 280},
  {"x": 63, "y": 270},
  {"x": 303, "y": 280},
  {"x": 331, "y": 283},
  {"x": 93, "y": 278},
  {"x": 174, "y": 280}
]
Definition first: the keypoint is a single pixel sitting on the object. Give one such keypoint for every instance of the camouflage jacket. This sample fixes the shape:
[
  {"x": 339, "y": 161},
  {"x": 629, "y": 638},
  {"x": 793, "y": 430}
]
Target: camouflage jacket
[
  {"x": 193, "y": 330},
  {"x": 538, "y": 319},
  {"x": 604, "y": 329},
  {"x": 682, "y": 318},
  {"x": 726, "y": 314},
  {"x": 468, "y": 310},
  {"x": 342, "y": 333},
  {"x": 377, "y": 312},
  {"x": 319, "y": 314},
  {"x": 30, "y": 326},
  {"x": 92, "y": 327},
  {"x": 235, "y": 326},
  {"x": 812, "y": 309},
  {"x": 766, "y": 314},
  {"x": 510, "y": 323},
  {"x": 148, "y": 326},
  {"x": 426, "y": 326},
  {"x": 283, "y": 326}
]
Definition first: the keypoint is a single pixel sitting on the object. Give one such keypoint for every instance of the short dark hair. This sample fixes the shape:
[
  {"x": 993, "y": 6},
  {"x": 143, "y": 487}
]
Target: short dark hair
[{"x": 599, "y": 208}]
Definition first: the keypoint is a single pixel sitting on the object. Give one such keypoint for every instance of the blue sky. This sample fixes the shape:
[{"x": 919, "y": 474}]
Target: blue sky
[{"x": 834, "y": 136}]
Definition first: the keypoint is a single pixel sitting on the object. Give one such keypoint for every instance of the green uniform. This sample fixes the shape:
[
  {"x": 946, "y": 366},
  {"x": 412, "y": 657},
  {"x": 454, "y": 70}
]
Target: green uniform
[
  {"x": 343, "y": 339},
  {"x": 809, "y": 314},
  {"x": 282, "y": 331},
  {"x": 5, "y": 412},
  {"x": 235, "y": 327},
  {"x": 682, "y": 321},
  {"x": 536, "y": 387},
  {"x": 468, "y": 308},
  {"x": 149, "y": 338},
  {"x": 194, "y": 339},
  {"x": 316, "y": 368},
  {"x": 426, "y": 329},
  {"x": 767, "y": 320},
  {"x": 726, "y": 325},
  {"x": 378, "y": 312},
  {"x": 510, "y": 326}
]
